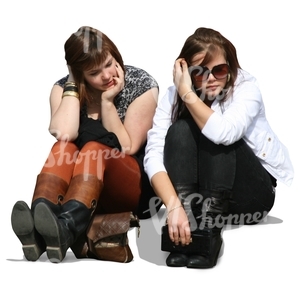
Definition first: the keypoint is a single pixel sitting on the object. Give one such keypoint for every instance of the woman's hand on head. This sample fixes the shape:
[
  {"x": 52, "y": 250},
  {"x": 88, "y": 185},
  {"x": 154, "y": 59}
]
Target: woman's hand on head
[
  {"x": 181, "y": 77},
  {"x": 179, "y": 228},
  {"x": 119, "y": 83}
]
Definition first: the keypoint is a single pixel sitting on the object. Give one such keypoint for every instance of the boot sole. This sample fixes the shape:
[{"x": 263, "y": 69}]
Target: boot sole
[
  {"x": 46, "y": 224},
  {"x": 23, "y": 226}
]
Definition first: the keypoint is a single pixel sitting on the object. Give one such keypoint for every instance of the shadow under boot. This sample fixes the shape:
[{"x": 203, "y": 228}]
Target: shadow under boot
[
  {"x": 209, "y": 215},
  {"x": 48, "y": 186},
  {"x": 61, "y": 231}
]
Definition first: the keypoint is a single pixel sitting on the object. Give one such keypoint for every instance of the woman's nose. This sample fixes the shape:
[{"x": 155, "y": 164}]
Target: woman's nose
[{"x": 105, "y": 75}]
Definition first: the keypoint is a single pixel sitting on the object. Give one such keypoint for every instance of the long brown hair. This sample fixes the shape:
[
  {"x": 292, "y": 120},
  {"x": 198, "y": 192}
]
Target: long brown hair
[
  {"x": 210, "y": 42},
  {"x": 84, "y": 49}
]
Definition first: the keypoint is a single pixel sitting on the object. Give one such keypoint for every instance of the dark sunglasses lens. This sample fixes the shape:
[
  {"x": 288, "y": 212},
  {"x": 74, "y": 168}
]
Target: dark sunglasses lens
[
  {"x": 200, "y": 73},
  {"x": 220, "y": 71}
]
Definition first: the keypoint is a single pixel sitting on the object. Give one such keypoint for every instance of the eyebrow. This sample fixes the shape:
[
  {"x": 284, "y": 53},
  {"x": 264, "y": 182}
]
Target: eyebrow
[{"x": 107, "y": 61}]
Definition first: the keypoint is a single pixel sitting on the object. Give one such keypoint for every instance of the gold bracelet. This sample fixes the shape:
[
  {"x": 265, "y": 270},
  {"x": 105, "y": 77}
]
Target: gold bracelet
[
  {"x": 174, "y": 208},
  {"x": 70, "y": 83},
  {"x": 183, "y": 97},
  {"x": 70, "y": 93}
]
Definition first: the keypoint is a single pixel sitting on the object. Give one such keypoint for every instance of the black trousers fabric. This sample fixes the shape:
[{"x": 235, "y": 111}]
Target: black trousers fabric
[{"x": 191, "y": 158}]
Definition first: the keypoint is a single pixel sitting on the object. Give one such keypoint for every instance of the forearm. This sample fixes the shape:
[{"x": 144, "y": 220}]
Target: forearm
[
  {"x": 198, "y": 109},
  {"x": 112, "y": 123},
  {"x": 179, "y": 229},
  {"x": 164, "y": 189},
  {"x": 182, "y": 80},
  {"x": 64, "y": 122}
]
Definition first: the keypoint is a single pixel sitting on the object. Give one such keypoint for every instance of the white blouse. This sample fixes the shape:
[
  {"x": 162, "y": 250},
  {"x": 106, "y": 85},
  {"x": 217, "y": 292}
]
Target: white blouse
[{"x": 242, "y": 115}]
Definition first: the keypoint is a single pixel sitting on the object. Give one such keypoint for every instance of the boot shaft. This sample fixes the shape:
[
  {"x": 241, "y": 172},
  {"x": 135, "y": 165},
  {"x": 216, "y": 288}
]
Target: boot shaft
[
  {"x": 51, "y": 187},
  {"x": 86, "y": 189},
  {"x": 204, "y": 208}
]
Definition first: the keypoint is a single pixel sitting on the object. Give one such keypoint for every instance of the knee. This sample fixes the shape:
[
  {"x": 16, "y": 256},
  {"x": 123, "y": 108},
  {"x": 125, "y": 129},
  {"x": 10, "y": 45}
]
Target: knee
[
  {"x": 94, "y": 146},
  {"x": 179, "y": 126},
  {"x": 95, "y": 151},
  {"x": 179, "y": 131},
  {"x": 64, "y": 146}
]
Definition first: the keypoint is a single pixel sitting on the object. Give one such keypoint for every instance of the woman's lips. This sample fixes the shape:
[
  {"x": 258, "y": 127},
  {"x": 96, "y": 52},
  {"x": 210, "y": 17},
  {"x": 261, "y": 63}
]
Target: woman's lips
[
  {"x": 110, "y": 83},
  {"x": 212, "y": 87}
]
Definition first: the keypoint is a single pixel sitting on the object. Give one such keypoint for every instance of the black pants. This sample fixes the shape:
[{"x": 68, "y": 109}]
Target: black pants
[{"x": 191, "y": 158}]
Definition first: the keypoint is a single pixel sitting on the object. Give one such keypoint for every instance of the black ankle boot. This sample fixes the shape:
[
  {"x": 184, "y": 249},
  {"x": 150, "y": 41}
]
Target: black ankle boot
[
  {"x": 59, "y": 232},
  {"x": 56, "y": 236},
  {"x": 177, "y": 260},
  {"x": 23, "y": 226},
  {"x": 210, "y": 218},
  {"x": 207, "y": 259},
  {"x": 187, "y": 193}
]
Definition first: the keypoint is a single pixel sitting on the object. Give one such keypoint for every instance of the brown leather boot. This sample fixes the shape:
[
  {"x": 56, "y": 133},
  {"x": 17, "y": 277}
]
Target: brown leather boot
[{"x": 61, "y": 231}]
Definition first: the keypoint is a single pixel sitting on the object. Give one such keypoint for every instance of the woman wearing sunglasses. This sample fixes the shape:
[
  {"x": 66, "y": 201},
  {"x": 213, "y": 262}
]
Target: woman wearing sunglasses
[{"x": 211, "y": 155}]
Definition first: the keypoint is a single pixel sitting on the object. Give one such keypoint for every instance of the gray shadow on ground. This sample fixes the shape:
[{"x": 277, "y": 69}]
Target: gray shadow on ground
[{"x": 149, "y": 241}]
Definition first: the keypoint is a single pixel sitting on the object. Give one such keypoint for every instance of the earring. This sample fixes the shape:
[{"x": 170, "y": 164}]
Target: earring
[{"x": 228, "y": 77}]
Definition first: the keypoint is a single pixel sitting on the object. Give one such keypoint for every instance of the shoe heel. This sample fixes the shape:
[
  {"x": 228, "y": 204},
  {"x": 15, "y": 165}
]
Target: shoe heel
[
  {"x": 54, "y": 254},
  {"x": 32, "y": 252},
  {"x": 23, "y": 226}
]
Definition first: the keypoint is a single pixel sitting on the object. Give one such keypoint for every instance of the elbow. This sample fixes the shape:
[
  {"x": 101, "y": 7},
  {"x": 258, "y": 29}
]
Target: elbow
[
  {"x": 63, "y": 134},
  {"x": 225, "y": 140},
  {"x": 133, "y": 148},
  {"x": 129, "y": 150}
]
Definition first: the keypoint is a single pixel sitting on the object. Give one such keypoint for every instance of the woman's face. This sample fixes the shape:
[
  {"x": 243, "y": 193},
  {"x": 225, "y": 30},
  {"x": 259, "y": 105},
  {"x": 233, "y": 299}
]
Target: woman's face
[
  {"x": 210, "y": 87},
  {"x": 101, "y": 77}
]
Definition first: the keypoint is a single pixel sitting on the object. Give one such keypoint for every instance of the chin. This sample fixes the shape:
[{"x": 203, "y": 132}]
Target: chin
[{"x": 211, "y": 96}]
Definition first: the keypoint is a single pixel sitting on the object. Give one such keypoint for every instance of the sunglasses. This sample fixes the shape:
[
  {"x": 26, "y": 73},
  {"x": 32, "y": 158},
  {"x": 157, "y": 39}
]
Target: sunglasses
[{"x": 200, "y": 73}]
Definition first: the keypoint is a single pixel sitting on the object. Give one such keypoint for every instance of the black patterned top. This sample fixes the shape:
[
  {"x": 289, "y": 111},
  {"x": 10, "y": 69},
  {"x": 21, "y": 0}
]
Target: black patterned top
[{"x": 137, "y": 82}]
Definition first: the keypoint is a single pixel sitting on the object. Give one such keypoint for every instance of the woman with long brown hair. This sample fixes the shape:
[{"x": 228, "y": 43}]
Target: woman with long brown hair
[{"x": 211, "y": 155}]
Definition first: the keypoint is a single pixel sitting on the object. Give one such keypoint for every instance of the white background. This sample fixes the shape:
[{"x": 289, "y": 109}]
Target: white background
[{"x": 258, "y": 262}]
